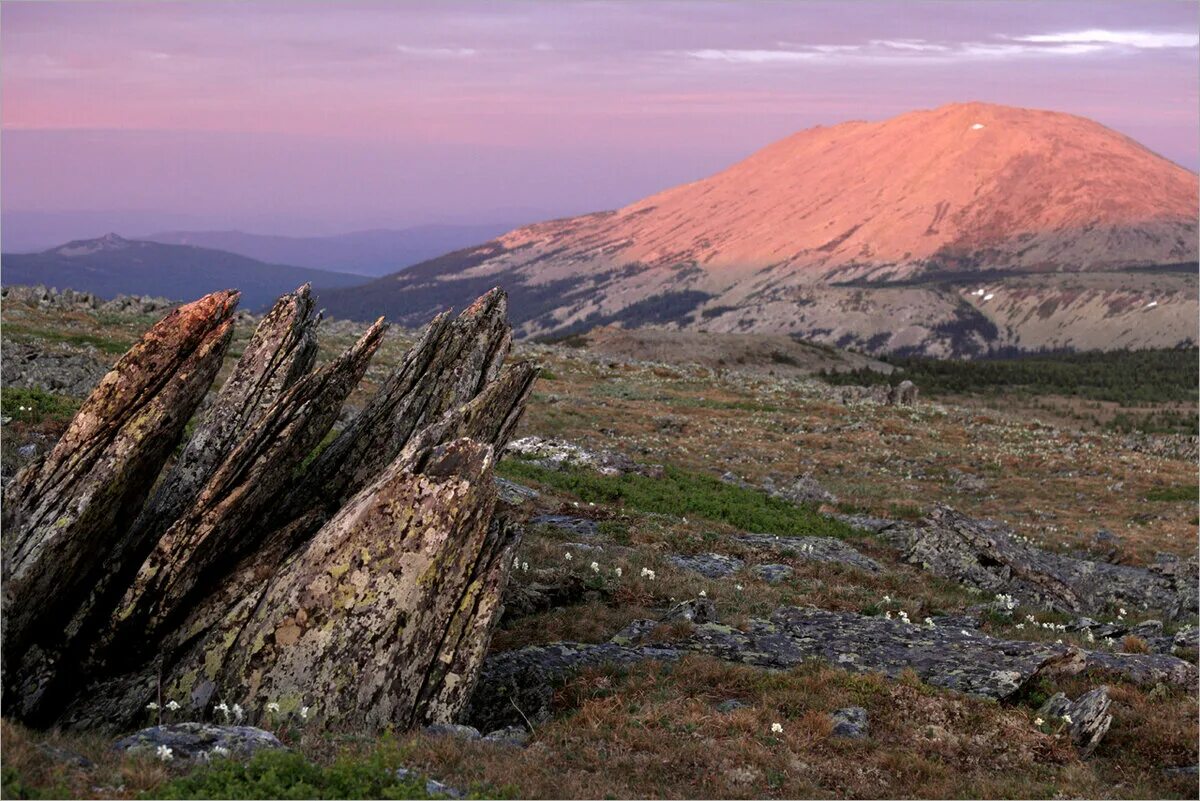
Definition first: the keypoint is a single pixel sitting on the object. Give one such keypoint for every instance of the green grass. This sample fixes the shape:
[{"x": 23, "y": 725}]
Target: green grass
[
  {"x": 287, "y": 774},
  {"x": 1179, "y": 493},
  {"x": 681, "y": 493},
  {"x": 36, "y": 405}
]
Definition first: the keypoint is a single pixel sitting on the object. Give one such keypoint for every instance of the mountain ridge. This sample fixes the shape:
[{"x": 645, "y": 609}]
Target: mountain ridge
[
  {"x": 961, "y": 189},
  {"x": 111, "y": 265}
]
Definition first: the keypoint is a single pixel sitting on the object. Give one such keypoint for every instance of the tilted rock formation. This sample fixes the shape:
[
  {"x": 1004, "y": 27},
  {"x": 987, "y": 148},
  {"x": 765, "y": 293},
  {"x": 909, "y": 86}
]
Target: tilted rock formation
[
  {"x": 989, "y": 557},
  {"x": 64, "y": 516},
  {"x": 371, "y": 600}
]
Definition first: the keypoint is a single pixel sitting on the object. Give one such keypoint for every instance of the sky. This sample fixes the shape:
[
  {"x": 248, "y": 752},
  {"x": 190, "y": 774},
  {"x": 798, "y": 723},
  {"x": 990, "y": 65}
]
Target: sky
[{"x": 313, "y": 118}]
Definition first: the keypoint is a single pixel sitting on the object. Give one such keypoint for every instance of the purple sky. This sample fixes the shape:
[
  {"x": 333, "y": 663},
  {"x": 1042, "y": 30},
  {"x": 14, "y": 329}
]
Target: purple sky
[{"x": 315, "y": 118}]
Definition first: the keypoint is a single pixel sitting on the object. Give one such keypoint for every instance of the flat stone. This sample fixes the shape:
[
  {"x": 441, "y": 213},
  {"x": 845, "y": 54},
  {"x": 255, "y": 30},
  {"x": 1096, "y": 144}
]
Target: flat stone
[
  {"x": 773, "y": 573},
  {"x": 199, "y": 740},
  {"x": 697, "y": 610},
  {"x": 732, "y": 705},
  {"x": 509, "y": 735},
  {"x": 711, "y": 565},
  {"x": 850, "y": 722},
  {"x": 634, "y": 633},
  {"x": 812, "y": 549},
  {"x": 455, "y": 730},
  {"x": 572, "y": 524}
]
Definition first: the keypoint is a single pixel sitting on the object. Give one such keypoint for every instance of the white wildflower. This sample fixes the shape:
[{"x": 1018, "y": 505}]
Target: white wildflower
[
  {"x": 888, "y": 615},
  {"x": 647, "y": 573},
  {"x": 272, "y": 707},
  {"x": 165, "y": 753},
  {"x": 1038, "y": 722},
  {"x": 777, "y": 728},
  {"x": 1067, "y": 719},
  {"x": 703, "y": 594},
  {"x": 618, "y": 572},
  {"x": 887, "y": 599},
  {"x": 152, "y": 706},
  {"x": 238, "y": 713},
  {"x": 220, "y": 750},
  {"x": 223, "y": 708},
  {"x": 567, "y": 556},
  {"x": 738, "y": 587},
  {"x": 595, "y": 567},
  {"x": 1020, "y": 625},
  {"x": 1089, "y": 636},
  {"x": 516, "y": 563},
  {"x": 929, "y": 622},
  {"x": 964, "y": 632},
  {"x": 172, "y": 705},
  {"x": 304, "y": 713},
  {"x": 525, "y": 567}
]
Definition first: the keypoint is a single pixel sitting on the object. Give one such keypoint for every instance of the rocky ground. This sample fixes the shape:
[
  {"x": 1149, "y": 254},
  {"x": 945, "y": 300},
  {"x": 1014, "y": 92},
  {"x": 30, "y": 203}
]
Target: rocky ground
[{"x": 739, "y": 584}]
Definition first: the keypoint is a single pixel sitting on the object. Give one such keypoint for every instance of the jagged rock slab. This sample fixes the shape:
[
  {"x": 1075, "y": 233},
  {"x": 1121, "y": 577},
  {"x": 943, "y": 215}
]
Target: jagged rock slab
[
  {"x": 219, "y": 525},
  {"x": 812, "y": 549},
  {"x": 989, "y": 557},
  {"x": 710, "y": 565},
  {"x": 383, "y": 618},
  {"x": 204, "y": 741},
  {"x": 1088, "y": 716},
  {"x": 64, "y": 515}
]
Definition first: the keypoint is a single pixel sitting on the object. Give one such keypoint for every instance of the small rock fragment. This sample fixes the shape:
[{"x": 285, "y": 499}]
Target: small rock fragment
[{"x": 850, "y": 722}]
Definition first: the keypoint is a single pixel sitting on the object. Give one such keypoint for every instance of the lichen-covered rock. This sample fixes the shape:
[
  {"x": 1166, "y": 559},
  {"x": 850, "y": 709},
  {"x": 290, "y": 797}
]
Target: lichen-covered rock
[
  {"x": 812, "y": 549},
  {"x": 63, "y": 517},
  {"x": 1088, "y": 717},
  {"x": 571, "y": 524},
  {"x": 773, "y": 573},
  {"x": 377, "y": 616},
  {"x": 711, "y": 565},
  {"x": 850, "y": 722},
  {"x": 991, "y": 558},
  {"x": 199, "y": 741},
  {"x": 53, "y": 366},
  {"x": 515, "y": 494}
]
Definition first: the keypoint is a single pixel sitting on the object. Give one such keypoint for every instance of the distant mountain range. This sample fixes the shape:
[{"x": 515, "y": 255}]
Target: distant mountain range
[
  {"x": 375, "y": 252},
  {"x": 112, "y": 265},
  {"x": 953, "y": 231}
]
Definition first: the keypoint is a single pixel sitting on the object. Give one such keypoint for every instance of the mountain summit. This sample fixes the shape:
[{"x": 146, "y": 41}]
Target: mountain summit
[{"x": 962, "y": 190}]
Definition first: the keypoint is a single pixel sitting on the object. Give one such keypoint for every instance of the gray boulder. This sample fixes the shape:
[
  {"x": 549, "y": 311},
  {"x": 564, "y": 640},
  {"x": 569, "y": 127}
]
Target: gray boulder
[
  {"x": 850, "y": 722},
  {"x": 455, "y": 730},
  {"x": 201, "y": 741},
  {"x": 712, "y": 565}
]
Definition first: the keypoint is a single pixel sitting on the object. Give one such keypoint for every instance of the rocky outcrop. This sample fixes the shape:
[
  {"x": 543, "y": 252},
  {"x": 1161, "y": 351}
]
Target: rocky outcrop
[
  {"x": 366, "y": 601},
  {"x": 709, "y": 565},
  {"x": 198, "y": 741},
  {"x": 521, "y": 683},
  {"x": 991, "y": 558},
  {"x": 65, "y": 516},
  {"x": 53, "y": 366}
]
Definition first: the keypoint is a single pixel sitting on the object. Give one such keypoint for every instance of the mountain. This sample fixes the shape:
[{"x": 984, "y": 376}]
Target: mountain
[
  {"x": 113, "y": 265},
  {"x": 375, "y": 252},
  {"x": 950, "y": 232}
]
